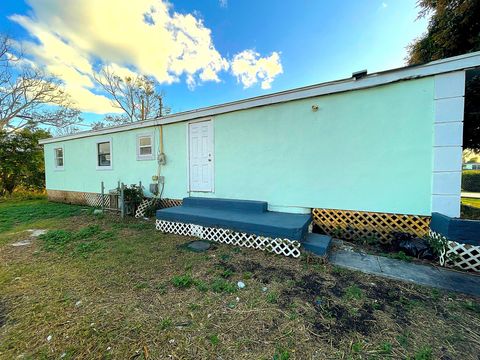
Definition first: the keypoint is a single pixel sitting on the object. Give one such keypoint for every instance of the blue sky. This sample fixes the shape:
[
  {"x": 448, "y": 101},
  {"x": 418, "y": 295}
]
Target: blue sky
[{"x": 230, "y": 49}]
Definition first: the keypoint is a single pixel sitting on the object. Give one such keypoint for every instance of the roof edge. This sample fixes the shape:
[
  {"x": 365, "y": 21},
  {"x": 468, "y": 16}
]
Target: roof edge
[{"x": 436, "y": 67}]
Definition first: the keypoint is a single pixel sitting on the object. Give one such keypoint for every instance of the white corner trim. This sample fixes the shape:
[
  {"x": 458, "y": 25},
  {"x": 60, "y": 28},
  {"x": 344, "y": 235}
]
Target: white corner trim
[
  {"x": 450, "y": 85},
  {"x": 449, "y": 109},
  {"x": 447, "y": 158},
  {"x": 446, "y": 204},
  {"x": 152, "y": 140},
  {"x": 448, "y": 143},
  {"x": 444, "y": 182},
  {"x": 55, "y": 167},
  {"x": 448, "y": 134},
  {"x": 102, "y": 140}
]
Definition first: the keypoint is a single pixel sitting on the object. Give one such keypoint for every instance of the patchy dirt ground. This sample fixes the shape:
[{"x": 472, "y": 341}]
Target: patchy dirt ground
[{"x": 94, "y": 287}]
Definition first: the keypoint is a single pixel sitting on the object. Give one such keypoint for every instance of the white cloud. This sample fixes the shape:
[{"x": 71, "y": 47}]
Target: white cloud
[
  {"x": 249, "y": 68},
  {"x": 143, "y": 36},
  {"x": 384, "y": 5},
  {"x": 223, "y": 3}
]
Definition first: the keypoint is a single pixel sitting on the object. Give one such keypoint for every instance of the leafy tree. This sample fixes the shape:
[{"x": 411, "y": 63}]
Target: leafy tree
[
  {"x": 471, "y": 121},
  {"x": 135, "y": 95},
  {"x": 28, "y": 95},
  {"x": 21, "y": 160},
  {"x": 454, "y": 29}
]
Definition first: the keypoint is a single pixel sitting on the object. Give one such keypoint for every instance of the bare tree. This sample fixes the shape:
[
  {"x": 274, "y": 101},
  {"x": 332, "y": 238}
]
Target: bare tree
[
  {"x": 136, "y": 96},
  {"x": 29, "y": 96}
]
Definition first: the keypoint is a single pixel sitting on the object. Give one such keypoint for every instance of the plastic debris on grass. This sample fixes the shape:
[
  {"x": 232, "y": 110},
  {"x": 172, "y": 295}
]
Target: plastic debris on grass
[{"x": 413, "y": 246}]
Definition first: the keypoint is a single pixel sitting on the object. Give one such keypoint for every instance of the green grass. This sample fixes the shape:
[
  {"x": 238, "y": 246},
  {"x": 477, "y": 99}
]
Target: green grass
[
  {"x": 272, "y": 297},
  {"x": 425, "y": 353},
  {"x": 103, "y": 288},
  {"x": 214, "y": 339},
  {"x": 56, "y": 240},
  {"x": 400, "y": 255},
  {"x": 221, "y": 285},
  {"x": 353, "y": 292},
  {"x": 183, "y": 281},
  {"x": 471, "y": 202},
  {"x": 80, "y": 243},
  {"x": 26, "y": 213},
  {"x": 470, "y": 208}
]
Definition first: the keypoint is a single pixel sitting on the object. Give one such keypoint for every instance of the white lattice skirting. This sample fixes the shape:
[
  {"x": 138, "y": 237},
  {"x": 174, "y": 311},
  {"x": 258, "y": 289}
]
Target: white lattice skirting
[
  {"x": 144, "y": 205},
  {"x": 458, "y": 255},
  {"x": 278, "y": 246}
]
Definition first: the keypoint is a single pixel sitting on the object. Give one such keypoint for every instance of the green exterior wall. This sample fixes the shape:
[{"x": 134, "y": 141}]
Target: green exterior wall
[
  {"x": 80, "y": 159},
  {"x": 368, "y": 150}
]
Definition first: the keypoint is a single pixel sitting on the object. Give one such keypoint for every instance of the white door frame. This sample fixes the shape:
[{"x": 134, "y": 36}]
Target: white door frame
[{"x": 213, "y": 154}]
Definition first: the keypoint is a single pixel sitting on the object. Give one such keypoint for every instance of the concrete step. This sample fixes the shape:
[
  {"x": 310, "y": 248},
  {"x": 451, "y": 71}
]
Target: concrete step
[
  {"x": 317, "y": 244},
  {"x": 226, "y": 204}
]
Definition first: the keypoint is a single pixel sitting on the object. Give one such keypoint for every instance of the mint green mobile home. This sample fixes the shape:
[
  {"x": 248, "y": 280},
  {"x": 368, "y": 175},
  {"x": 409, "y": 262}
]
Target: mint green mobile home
[{"x": 387, "y": 144}]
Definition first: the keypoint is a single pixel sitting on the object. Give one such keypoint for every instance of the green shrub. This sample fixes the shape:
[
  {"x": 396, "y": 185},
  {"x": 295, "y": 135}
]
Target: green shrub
[
  {"x": 438, "y": 245},
  {"x": 471, "y": 180}
]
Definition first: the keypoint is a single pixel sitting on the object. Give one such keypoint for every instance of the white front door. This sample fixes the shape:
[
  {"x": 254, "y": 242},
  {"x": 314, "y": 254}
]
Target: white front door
[{"x": 200, "y": 138}]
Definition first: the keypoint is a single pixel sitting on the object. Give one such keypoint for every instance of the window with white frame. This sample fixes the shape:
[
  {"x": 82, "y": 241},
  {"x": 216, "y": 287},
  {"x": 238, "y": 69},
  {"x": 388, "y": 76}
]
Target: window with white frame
[
  {"x": 145, "y": 147},
  {"x": 58, "y": 158},
  {"x": 104, "y": 154}
]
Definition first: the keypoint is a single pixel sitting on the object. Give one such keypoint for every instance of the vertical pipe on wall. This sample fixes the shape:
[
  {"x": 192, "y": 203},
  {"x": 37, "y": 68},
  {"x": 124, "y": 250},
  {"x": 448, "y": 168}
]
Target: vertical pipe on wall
[{"x": 160, "y": 162}]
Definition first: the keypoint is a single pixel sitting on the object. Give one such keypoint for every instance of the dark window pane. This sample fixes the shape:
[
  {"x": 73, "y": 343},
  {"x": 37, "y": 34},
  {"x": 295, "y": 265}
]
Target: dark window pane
[
  {"x": 103, "y": 160},
  {"x": 58, "y": 157},
  {"x": 104, "y": 154},
  {"x": 146, "y": 150},
  {"x": 471, "y": 123}
]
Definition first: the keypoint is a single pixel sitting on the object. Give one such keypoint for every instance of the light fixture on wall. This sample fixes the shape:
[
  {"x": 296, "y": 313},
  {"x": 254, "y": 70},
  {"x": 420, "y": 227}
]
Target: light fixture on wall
[{"x": 314, "y": 108}]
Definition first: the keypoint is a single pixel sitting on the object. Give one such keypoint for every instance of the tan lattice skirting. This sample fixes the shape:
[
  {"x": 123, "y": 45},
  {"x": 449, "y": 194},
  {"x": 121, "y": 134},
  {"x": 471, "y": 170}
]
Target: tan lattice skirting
[
  {"x": 95, "y": 199},
  {"x": 356, "y": 225},
  {"x": 159, "y": 203},
  {"x": 458, "y": 255},
  {"x": 166, "y": 203},
  {"x": 278, "y": 246},
  {"x": 76, "y": 197}
]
